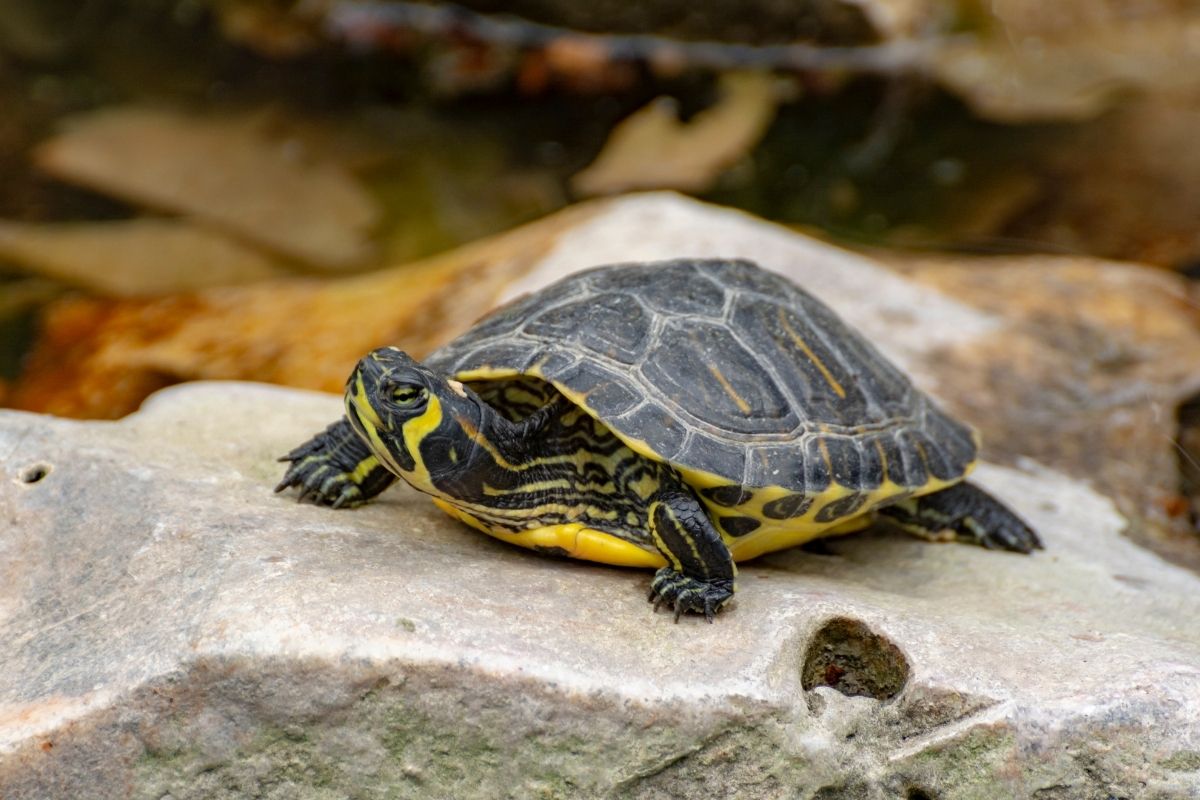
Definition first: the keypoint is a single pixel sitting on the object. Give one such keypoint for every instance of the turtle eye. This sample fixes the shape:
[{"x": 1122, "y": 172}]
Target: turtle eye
[{"x": 408, "y": 395}]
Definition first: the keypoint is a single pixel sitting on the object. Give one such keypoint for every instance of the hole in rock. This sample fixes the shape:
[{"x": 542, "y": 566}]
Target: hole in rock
[
  {"x": 34, "y": 473},
  {"x": 918, "y": 794},
  {"x": 1188, "y": 453},
  {"x": 848, "y": 656}
]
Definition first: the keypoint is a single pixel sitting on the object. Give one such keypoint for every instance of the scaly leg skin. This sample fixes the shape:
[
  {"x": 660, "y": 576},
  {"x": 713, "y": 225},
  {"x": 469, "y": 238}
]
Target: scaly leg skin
[
  {"x": 335, "y": 468},
  {"x": 700, "y": 572},
  {"x": 968, "y": 514}
]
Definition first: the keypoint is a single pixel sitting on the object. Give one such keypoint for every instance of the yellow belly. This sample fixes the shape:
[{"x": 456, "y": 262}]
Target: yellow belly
[
  {"x": 579, "y": 541},
  {"x": 575, "y": 540},
  {"x": 770, "y": 538}
]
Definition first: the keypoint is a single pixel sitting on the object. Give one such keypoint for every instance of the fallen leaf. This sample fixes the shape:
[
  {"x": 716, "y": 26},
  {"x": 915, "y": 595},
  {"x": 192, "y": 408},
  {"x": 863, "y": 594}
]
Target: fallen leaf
[
  {"x": 227, "y": 172},
  {"x": 132, "y": 257},
  {"x": 653, "y": 149}
]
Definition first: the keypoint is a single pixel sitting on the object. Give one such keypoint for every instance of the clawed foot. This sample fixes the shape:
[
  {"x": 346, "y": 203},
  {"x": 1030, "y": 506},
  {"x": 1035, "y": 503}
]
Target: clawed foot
[
  {"x": 689, "y": 595},
  {"x": 966, "y": 513},
  {"x": 334, "y": 468},
  {"x": 320, "y": 482},
  {"x": 1007, "y": 535}
]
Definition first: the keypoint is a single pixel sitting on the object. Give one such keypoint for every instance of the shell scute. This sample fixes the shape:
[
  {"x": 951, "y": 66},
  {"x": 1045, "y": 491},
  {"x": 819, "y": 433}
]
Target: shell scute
[
  {"x": 711, "y": 377},
  {"x": 653, "y": 424},
  {"x": 608, "y": 325},
  {"x": 675, "y": 294}
]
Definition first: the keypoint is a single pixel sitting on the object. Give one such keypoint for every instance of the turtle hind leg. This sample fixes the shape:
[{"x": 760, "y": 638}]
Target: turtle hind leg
[
  {"x": 965, "y": 513},
  {"x": 700, "y": 571},
  {"x": 335, "y": 468}
]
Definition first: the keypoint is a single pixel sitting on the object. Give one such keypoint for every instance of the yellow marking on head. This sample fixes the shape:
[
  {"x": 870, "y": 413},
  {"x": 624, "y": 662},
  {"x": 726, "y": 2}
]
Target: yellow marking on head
[
  {"x": 729, "y": 390},
  {"x": 458, "y": 388},
  {"x": 575, "y": 539},
  {"x": 799, "y": 342},
  {"x": 358, "y": 405},
  {"x": 363, "y": 404},
  {"x": 413, "y": 432}
]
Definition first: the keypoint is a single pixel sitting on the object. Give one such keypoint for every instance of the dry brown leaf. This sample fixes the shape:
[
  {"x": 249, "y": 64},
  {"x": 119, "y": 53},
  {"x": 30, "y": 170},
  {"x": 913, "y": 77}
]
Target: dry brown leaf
[
  {"x": 225, "y": 171},
  {"x": 132, "y": 257},
  {"x": 653, "y": 149}
]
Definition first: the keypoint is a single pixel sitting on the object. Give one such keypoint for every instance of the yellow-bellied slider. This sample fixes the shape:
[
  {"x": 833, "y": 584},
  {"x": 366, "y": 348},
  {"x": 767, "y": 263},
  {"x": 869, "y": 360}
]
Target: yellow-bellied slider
[{"x": 684, "y": 414}]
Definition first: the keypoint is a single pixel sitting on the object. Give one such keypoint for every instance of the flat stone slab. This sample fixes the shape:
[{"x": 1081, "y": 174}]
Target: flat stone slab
[{"x": 171, "y": 628}]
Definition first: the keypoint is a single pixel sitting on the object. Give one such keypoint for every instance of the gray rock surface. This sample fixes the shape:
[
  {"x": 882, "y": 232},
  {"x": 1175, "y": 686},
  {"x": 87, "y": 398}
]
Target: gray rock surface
[{"x": 173, "y": 629}]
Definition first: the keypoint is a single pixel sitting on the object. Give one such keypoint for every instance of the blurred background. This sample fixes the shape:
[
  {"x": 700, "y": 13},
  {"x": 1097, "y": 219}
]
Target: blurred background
[{"x": 254, "y": 189}]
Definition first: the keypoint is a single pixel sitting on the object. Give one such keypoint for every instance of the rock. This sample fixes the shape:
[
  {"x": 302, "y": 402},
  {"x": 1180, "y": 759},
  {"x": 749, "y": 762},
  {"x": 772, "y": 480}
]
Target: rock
[
  {"x": 173, "y": 628},
  {"x": 1090, "y": 376}
]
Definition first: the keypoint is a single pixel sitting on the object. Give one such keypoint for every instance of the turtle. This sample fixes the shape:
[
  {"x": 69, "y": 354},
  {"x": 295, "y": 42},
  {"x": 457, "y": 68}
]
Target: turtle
[{"x": 682, "y": 415}]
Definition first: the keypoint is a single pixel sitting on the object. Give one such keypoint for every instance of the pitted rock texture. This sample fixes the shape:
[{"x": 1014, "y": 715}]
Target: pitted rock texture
[{"x": 172, "y": 628}]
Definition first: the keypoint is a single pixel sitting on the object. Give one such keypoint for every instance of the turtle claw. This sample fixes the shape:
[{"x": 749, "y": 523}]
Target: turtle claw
[
  {"x": 320, "y": 489},
  {"x": 686, "y": 595},
  {"x": 334, "y": 469}
]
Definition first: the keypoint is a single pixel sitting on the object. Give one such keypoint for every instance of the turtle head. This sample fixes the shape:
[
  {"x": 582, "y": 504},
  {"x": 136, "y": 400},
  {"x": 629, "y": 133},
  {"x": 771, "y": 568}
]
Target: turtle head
[{"x": 417, "y": 422}]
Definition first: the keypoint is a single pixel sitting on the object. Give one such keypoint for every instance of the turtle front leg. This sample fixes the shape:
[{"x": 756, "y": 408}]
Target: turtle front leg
[
  {"x": 335, "y": 468},
  {"x": 700, "y": 574}
]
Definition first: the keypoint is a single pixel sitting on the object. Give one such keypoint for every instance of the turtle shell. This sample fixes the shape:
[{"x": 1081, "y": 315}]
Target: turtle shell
[{"x": 733, "y": 375}]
